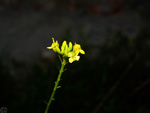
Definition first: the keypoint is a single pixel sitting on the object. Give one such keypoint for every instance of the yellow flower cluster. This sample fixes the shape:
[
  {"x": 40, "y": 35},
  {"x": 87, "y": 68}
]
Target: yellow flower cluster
[{"x": 67, "y": 51}]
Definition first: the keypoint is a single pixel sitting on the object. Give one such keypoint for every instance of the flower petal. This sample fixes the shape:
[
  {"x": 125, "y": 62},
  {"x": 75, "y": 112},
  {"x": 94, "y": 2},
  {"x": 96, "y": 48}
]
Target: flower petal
[
  {"x": 82, "y": 52},
  {"x": 49, "y": 47},
  {"x": 70, "y": 60},
  {"x": 77, "y": 58}
]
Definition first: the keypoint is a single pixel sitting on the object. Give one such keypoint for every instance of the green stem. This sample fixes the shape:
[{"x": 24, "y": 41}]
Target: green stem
[{"x": 56, "y": 85}]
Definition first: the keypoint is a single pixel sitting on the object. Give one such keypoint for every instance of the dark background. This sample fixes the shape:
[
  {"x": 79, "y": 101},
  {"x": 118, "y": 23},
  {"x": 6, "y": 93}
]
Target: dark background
[{"x": 113, "y": 75}]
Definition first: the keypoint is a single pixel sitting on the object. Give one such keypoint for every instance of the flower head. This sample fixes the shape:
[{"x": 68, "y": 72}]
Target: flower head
[
  {"x": 71, "y": 52},
  {"x": 54, "y": 46},
  {"x": 73, "y": 57},
  {"x": 77, "y": 49}
]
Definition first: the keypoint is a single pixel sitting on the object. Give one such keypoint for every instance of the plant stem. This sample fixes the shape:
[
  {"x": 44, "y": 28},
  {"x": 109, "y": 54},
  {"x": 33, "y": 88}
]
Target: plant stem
[{"x": 56, "y": 85}]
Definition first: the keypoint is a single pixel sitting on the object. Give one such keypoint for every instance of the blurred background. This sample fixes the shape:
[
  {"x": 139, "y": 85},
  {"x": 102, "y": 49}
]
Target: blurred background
[{"x": 112, "y": 77}]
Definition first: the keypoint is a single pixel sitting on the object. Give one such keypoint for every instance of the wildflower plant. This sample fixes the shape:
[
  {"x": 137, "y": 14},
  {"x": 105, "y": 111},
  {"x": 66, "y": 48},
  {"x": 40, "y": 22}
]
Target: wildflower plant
[{"x": 67, "y": 54}]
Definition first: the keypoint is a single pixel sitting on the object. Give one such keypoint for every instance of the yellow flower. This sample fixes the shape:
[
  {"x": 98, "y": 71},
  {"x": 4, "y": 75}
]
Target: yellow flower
[
  {"x": 54, "y": 46},
  {"x": 73, "y": 57},
  {"x": 71, "y": 52},
  {"x": 77, "y": 49}
]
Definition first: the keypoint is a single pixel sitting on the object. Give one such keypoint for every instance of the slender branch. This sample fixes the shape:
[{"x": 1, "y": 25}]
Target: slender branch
[
  {"x": 56, "y": 86},
  {"x": 139, "y": 87}
]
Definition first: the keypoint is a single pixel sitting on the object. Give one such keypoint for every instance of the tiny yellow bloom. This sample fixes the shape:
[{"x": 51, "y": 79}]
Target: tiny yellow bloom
[
  {"x": 71, "y": 52},
  {"x": 77, "y": 49},
  {"x": 54, "y": 46},
  {"x": 73, "y": 58},
  {"x": 73, "y": 55},
  {"x": 63, "y": 47}
]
